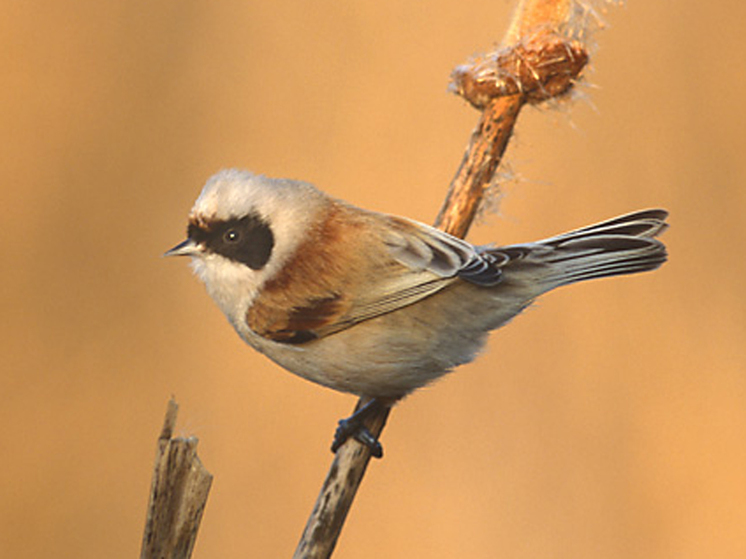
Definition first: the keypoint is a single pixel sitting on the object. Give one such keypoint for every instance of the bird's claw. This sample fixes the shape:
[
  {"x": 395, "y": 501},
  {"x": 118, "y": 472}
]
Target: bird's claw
[
  {"x": 354, "y": 426},
  {"x": 356, "y": 429}
]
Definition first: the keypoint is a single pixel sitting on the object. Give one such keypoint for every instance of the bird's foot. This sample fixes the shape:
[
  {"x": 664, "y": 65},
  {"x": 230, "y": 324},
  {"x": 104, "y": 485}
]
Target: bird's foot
[{"x": 354, "y": 426}]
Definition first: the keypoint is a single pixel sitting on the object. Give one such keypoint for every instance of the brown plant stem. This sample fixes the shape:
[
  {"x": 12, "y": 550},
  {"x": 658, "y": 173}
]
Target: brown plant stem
[
  {"x": 178, "y": 495},
  {"x": 483, "y": 155},
  {"x": 477, "y": 170},
  {"x": 338, "y": 491},
  {"x": 542, "y": 56}
]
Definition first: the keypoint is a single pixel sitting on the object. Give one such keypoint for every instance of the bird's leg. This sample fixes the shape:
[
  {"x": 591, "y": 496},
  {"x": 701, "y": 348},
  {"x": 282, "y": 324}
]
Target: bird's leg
[{"x": 354, "y": 426}]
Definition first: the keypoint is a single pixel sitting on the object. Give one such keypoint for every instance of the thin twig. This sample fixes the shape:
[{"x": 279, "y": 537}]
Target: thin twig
[
  {"x": 178, "y": 495},
  {"x": 477, "y": 169},
  {"x": 339, "y": 489},
  {"x": 541, "y": 57}
]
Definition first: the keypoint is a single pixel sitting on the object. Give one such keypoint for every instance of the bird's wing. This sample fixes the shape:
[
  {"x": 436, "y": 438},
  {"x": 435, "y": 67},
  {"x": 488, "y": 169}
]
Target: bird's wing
[
  {"x": 420, "y": 247},
  {"x": 384, "y": 264}
]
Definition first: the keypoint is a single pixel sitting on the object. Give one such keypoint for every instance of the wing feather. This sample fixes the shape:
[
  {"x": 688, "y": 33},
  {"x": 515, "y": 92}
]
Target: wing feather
[{"x": 385, "y": 263}]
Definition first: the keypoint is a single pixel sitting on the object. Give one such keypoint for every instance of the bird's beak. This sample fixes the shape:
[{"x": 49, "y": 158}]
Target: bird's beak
[{"x": 187, "y": 248}]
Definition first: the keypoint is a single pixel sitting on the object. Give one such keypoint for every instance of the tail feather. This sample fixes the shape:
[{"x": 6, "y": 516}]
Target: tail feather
[
  {"x": 643, "y": 223},
  {"x": 623, "y": 245}
]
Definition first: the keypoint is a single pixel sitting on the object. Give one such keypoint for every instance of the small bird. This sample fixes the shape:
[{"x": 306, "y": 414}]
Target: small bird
[{"x": 373, "y": 304}]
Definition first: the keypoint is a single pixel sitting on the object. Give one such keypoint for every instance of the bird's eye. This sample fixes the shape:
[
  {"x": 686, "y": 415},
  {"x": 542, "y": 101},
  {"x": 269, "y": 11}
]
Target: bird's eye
[{"x": 231, "y": 236}]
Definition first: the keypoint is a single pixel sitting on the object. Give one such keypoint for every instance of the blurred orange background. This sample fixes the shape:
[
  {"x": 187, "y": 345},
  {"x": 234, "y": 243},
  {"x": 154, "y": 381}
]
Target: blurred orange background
[{"x": 608, "y": 421}]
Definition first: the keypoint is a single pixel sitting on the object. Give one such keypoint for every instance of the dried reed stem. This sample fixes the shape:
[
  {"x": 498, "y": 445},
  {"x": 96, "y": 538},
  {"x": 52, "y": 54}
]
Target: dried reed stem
[
  {"x": 542, "y": 55},
  {"x": 178, "y": 495}
]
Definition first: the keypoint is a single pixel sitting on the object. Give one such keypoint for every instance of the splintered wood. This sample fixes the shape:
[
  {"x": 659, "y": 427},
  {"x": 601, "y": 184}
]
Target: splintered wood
[{"x": 178, "y": 495}]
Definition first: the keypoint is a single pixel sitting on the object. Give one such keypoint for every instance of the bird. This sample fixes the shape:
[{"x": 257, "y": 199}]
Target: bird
[{"x": 375, "y": 304}]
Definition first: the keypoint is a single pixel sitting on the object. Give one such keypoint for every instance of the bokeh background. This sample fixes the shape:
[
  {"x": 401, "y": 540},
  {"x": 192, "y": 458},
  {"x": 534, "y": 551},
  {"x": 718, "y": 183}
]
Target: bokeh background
[{"x": 608, "y": 421}]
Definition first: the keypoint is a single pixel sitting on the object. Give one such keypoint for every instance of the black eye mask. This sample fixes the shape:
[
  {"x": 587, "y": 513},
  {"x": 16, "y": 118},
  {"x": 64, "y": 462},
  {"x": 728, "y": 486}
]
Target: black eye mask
[{"x": 248, "y": 240}]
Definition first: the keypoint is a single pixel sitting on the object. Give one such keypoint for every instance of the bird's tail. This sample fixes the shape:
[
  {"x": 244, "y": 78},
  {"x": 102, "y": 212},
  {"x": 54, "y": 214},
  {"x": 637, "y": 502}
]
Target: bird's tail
[{"x": 623, "y": 245}]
